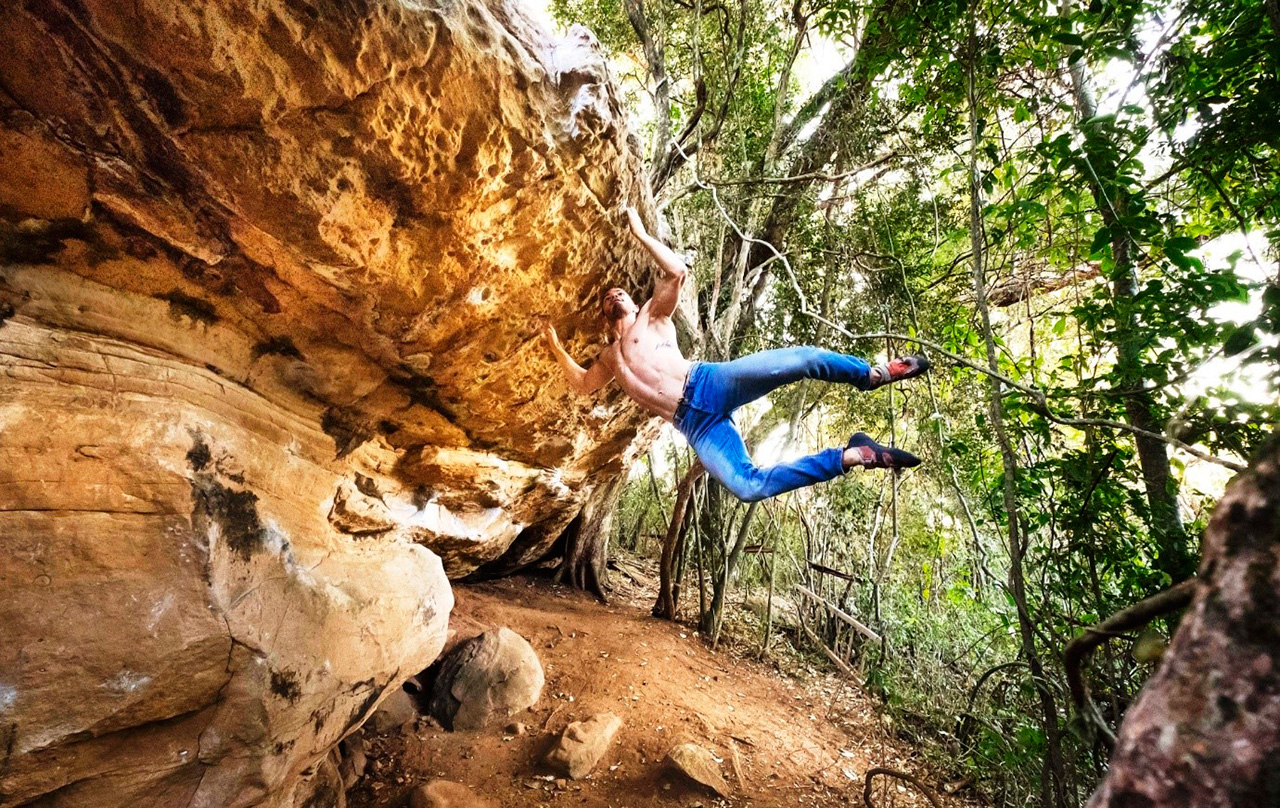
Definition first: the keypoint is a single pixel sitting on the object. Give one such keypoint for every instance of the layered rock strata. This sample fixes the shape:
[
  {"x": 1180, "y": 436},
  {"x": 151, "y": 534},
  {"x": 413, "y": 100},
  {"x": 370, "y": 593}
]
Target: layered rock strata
[{"x": 270, "y": 279}]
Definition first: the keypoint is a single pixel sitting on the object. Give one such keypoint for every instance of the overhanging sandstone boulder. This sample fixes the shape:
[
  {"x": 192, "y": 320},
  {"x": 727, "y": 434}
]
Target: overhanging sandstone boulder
[{"x": 270, "y": 279}]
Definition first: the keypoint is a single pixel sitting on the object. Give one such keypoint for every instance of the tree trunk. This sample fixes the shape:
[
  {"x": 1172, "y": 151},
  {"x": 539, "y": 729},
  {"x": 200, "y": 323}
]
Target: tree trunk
[
  {"x": 1205, "y": 733},
  {"x": 657, "y": 61},
  {"x": 1176, "y": 557},
  {"x": 712, "y": 619},
  {"x": 666, "y": 605},
  {"x": 1055, "y": 770},
  {"x": 586, "y": 541}
]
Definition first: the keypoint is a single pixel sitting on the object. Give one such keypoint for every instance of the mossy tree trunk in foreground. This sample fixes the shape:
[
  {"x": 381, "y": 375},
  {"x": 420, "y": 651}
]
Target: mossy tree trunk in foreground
[{"x": 1205, "y": 732}]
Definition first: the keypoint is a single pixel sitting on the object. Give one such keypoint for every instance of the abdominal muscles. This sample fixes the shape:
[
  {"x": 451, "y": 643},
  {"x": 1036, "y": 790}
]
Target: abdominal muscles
[{"x": 654, "y": 379}]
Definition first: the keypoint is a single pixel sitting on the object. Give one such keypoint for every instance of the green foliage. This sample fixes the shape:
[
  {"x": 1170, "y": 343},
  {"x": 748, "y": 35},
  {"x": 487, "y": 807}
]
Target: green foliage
[{"x": 1117, "y": 142}]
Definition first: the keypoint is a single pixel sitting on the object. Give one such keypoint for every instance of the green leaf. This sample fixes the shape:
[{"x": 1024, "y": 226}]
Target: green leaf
[
  {"x": 1101, "y": 240},
  {"x": 1242, "y": 339},
  {"x": 1069, "y": 39}
]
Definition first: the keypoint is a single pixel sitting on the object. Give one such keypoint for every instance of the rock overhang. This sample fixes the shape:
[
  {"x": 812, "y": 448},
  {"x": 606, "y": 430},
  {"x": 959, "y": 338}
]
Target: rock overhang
[{"x": 271, "y": 278}]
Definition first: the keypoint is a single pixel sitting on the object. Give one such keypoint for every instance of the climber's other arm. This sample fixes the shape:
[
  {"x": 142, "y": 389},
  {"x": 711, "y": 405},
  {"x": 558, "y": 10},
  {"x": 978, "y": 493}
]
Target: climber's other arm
[
  {"x": 584, "y": 381},
  {"x": 672, "y": 270}
]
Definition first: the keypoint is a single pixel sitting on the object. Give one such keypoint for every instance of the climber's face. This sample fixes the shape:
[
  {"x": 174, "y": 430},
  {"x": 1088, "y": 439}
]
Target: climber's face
[{"x": 617, "y": 304}]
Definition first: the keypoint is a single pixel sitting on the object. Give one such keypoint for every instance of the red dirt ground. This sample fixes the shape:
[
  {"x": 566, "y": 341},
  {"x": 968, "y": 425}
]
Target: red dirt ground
[{"x": 784, "y": 742}]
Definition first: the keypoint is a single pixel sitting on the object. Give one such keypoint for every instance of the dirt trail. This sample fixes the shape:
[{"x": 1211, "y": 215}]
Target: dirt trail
[{"x": 783, "y": 742}]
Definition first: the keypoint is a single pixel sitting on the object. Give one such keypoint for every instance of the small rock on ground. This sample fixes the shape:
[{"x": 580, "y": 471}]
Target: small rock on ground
[
  {"x": 394, "y": 712},
  {"x": 354, "y": 759},
  {"x": 447, "y": 794},
  {"x": 582, "y": 745},
  {"x": 697, "y": 764}
]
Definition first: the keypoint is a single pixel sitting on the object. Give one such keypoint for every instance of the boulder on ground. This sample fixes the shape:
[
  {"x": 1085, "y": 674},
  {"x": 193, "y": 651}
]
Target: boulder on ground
[
  {"x": 446, "y": 794},
  {"x": 486, "y": 679},
  {"x": 582, "y": 744},
  {"x": 394, "y": 712},
  {"x": 699, "y": 766},
  {"x": 785, "y": 614}
]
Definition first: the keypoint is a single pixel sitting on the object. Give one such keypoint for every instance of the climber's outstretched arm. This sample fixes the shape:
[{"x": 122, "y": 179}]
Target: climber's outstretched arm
[
  {"x": 666, "y": 291},
  {"x": 584, "y": 381}
]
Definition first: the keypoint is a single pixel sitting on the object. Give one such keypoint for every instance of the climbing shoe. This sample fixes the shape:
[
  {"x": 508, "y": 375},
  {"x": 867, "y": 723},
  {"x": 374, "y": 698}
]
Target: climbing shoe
[
  {"x": 875, "y": 456},
  {"x": 904, "y": 367}
]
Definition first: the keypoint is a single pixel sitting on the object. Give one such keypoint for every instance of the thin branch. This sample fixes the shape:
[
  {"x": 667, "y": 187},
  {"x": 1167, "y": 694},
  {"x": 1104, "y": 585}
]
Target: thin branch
[
  {"x": 963, "y": 730},
  {"x": 1039, "y": 397},
  {"x": 921, "y": 787},
  {"x": 1127, "y": 619},
  {"x": 666, "y": 605},
  {"x": 809, "y": 177}
]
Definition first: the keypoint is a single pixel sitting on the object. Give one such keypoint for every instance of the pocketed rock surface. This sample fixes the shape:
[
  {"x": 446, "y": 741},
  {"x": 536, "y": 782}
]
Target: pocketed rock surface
[{"x": 270, "y": 278}]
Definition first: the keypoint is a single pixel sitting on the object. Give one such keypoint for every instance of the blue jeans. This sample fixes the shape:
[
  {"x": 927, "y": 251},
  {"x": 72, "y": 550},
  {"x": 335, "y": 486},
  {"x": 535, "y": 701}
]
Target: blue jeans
[{"x": 715, "y": 389}]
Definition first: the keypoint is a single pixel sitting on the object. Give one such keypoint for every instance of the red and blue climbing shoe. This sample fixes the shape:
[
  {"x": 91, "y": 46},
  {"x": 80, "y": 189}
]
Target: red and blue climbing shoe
[
  {"x": 904, "y": 367},
  {"x": 875, "y": 456}
]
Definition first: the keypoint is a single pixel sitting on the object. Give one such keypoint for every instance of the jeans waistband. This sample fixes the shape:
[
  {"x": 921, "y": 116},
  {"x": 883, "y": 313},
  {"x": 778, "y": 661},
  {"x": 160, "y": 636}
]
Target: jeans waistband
[{"x": 682, "y": 406}]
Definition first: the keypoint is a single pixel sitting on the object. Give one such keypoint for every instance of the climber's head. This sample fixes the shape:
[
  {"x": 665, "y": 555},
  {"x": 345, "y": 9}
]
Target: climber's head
[{"x": 616, "y": 304}]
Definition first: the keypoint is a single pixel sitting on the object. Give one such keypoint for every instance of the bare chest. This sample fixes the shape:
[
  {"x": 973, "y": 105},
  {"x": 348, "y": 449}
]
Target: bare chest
[{"x": 649, "y": 337}]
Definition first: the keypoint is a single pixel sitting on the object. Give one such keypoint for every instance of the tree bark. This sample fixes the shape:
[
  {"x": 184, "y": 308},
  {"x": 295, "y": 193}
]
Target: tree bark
[
  {"x": 656, "y": 58},
  {"x": 666, "y": 605},
  {"x": 1205, "y": 731},
  {"x": 712, "y": 619},
  {"x": 586, "y": 545}
]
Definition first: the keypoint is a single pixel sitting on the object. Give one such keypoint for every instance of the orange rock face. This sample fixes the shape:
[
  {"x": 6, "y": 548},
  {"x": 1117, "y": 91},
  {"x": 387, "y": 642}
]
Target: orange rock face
[{"x": 271, "y": 276}]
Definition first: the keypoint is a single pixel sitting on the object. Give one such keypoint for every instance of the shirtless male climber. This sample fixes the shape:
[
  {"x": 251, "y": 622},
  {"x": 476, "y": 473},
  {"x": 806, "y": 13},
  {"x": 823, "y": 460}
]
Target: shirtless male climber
[{"x": 700, "y": 397}]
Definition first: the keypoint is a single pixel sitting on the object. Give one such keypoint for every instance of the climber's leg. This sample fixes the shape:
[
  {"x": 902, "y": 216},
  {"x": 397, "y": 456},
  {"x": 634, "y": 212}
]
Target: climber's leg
[
  {"x": 724, "y": 386},
  {"x": 724, "y": 455}
]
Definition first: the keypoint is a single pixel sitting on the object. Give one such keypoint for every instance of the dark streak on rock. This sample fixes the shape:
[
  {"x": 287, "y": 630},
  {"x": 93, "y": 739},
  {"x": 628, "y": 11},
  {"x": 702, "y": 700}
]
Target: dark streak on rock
[
  {"x": 324, "y": 797},
  {"x": 10, "y": 735},
  {"x": 285, "y": 685},
  {"x": 184, "y": 305},
  {"x": 1227, "y": 709},
  {"x": 422, "y": 391},
  {"x": 234, "y": 512},
  {"x": 346, "y": 428},
  {"x": 199, "y": 455},
  {"x": 37, "y": 244},
  {"x": 386, "y": 184},
  {"x": 366, "y": 485},
  {"x": 161, "y": 91},
  {"x": 109, "y": 68},
  {"x": 278, "y": 346},
  {"x": 421, "y": 496},
  {"x": 361, "y": 713}
]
